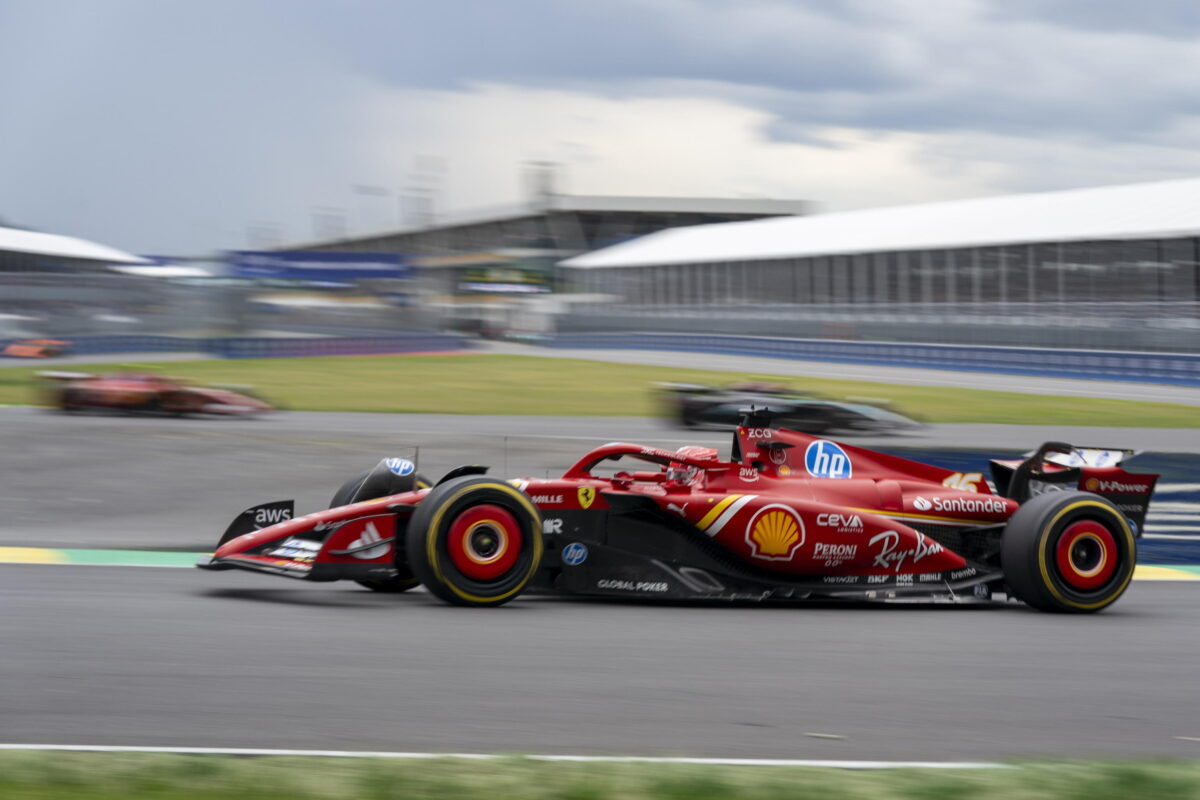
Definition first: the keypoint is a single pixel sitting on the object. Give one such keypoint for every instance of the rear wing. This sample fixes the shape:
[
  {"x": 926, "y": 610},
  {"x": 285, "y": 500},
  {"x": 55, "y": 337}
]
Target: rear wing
[{"x": 1057, "y": 466}]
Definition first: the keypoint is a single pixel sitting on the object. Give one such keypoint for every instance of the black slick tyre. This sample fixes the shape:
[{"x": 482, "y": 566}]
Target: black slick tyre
[
  {"x": 369, "y": 484},
  {"x": 1070, "y": 552},
  {"x": 475, "y": 541}
]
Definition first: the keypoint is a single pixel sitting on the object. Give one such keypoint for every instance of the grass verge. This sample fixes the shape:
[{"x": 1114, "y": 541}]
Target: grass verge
[
  {"x": 113, "y": 776},
  {"x": 502, "y": 384}
]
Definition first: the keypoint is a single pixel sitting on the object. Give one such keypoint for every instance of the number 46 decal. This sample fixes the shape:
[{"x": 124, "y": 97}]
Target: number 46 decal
[{"x": 964, "y": 482}]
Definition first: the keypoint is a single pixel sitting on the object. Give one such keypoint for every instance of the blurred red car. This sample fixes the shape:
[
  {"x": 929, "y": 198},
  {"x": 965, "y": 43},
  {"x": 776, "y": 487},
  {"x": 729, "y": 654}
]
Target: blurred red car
[
  {"x": 37, "y": 348},
  {"x": 146, "y": 393}
]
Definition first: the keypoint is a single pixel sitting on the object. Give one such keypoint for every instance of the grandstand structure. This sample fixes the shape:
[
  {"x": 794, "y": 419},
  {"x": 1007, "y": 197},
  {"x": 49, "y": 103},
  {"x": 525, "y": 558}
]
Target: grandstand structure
[
  {"x": 1114, "y": 267},
  {"x": 479, "y": 270},
  {"x": 58, "y": 285}
]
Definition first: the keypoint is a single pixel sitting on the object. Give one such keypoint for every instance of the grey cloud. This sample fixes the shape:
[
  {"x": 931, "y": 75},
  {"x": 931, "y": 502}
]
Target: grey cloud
[{"x": 1174, "y": 19}]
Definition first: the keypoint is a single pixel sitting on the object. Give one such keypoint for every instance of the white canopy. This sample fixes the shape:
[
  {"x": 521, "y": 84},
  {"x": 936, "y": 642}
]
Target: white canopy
[
  {"x": 52, "y": 244},
  {"x": 1165, "y": 209},
  {"x": 164, "y": 271}
]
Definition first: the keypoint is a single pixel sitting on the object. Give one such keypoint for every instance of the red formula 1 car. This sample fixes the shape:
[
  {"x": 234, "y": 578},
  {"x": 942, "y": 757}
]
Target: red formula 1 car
[
  {"x": 37, "y": 348},
  {"x": 144, "y": 392},
  {"x": 789, "y": 516}
]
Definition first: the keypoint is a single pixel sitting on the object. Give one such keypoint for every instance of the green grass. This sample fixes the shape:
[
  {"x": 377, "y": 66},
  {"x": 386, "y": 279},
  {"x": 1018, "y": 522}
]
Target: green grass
[
  {"x": 119, "y": 776},
  {"x": 501, "y": 384}
]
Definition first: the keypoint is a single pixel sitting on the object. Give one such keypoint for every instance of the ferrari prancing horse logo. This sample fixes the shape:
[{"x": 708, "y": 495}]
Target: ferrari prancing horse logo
[{"x": 587, "y": 495}]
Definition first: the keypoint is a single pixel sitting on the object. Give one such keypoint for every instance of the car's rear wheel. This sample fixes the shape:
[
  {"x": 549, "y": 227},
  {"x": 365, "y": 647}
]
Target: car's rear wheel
[
  {"x": 1069, "y": 552},
  {"x": 381, "y": 481},
  {"x": 475, "y": 541}
]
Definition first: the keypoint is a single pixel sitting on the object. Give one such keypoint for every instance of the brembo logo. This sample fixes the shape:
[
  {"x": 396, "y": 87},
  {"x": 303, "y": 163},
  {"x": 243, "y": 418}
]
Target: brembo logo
[
  {"x": 961, "y": 505},
  {"x": 1097, "y": 485}
]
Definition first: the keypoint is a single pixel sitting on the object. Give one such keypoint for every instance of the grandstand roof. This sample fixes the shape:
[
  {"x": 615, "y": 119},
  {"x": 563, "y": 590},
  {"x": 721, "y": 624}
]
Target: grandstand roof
[
  {"x": 1164, "y": 209},
  {"x": 16, "y": 240}
]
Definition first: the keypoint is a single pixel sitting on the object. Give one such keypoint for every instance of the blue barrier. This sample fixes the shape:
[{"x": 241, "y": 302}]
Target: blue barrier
[
  {"x": 269, "y": 347},
  {"x": 1173, "y": 368}
]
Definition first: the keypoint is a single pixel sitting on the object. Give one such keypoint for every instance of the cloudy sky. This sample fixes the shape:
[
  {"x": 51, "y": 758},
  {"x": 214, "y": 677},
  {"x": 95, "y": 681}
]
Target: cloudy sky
[{"x": 165, "y": 126}]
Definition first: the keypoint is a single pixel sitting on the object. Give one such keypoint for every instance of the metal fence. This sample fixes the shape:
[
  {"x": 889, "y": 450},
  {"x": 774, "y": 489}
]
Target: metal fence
[
  {"x": 269, "y": 347},
  {"x": 1174, "y": 368},
  {"x": 1157, "y": 326}
]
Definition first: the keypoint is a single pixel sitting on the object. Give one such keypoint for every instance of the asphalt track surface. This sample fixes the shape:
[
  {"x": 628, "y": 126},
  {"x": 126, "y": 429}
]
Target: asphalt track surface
[
  {"x": 144, "y": 656},
  {"x": 175, "y": 657}
]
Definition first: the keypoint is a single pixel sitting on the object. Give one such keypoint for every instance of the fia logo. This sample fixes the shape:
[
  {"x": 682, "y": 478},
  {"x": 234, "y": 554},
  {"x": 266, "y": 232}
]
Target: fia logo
[
  {"x": 574, "y": 554},
  {"x": 400, "y": 466},
  {"x": 826, "y": 459}
]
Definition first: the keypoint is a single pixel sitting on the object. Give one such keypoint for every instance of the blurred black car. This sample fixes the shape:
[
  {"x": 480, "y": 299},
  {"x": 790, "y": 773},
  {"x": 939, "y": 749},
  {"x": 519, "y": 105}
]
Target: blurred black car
[{"x": 696, "y": 405}]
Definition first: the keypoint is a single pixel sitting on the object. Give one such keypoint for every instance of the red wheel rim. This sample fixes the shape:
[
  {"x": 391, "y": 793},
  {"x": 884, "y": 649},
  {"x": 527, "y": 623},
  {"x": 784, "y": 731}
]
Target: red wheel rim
[
  {"x": 1086, "y": 555},
  {"x": 484, "y": 542}
]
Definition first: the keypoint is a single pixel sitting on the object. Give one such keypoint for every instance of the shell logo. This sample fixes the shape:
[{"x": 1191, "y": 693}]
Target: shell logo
[
  {"x": 775, "y": 533},
  {"x": 1092, "y": 484}
]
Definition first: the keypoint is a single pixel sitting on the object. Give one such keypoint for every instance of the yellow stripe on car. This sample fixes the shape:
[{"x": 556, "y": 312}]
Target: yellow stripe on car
[{"x": 715, "y": 512}]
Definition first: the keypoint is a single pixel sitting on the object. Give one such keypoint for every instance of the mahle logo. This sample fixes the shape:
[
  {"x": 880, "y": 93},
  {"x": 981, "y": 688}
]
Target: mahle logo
[{"x": 826, "y": 459}]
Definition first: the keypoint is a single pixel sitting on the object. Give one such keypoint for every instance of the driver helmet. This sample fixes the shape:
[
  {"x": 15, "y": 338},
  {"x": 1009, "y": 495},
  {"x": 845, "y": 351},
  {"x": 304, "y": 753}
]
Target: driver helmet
[{"x": 679, "y": 472}]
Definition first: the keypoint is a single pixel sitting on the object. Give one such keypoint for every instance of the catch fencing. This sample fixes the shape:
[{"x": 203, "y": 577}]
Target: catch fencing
[
  {"x": 1173, "y": 368},
  {"x": 270, "y": 347}
]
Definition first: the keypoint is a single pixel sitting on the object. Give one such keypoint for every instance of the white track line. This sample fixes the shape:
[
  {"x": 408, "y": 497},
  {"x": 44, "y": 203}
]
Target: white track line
[{"x": 732, "y": 762}]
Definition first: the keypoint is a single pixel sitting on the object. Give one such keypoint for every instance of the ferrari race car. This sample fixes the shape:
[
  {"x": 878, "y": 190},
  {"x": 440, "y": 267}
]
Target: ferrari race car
[
  {"x": 695, "y": 405},
  {"x": 37, "y": 348},
  {"x": 146, "y": 393},
  {"x": 789, "y": 516}
]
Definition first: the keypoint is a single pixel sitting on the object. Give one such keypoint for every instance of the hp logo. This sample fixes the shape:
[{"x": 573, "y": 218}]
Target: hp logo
[
  {"x": 400, "y": 466},
  {"x": 825, "y": 459},
  {"x": 574, "y": 554}
]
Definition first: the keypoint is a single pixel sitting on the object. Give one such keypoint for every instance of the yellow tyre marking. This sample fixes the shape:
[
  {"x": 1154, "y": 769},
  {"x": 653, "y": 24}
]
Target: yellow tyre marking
[
  {"x": 434, "y": 525},
  {"x": 715, "y": 512},
  {"x": 1048, "y": 582}
]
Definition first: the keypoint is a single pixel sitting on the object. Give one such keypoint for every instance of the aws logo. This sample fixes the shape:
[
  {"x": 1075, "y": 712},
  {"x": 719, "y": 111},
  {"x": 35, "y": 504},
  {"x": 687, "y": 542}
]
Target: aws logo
[{"x": 775, "y": 533}]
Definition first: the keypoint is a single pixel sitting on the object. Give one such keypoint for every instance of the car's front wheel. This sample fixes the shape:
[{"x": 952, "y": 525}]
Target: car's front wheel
[
  {"x": 475, "y": 541},
  {"x": 1069, "y": 552}
]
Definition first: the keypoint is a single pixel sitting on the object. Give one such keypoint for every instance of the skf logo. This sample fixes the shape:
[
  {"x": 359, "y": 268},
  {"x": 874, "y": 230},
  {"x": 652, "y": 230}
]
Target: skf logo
[
  {"x": 587, "y": 496},
  {"x": 826, "y": 459},
  {"x": 775, "y": 533}
]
